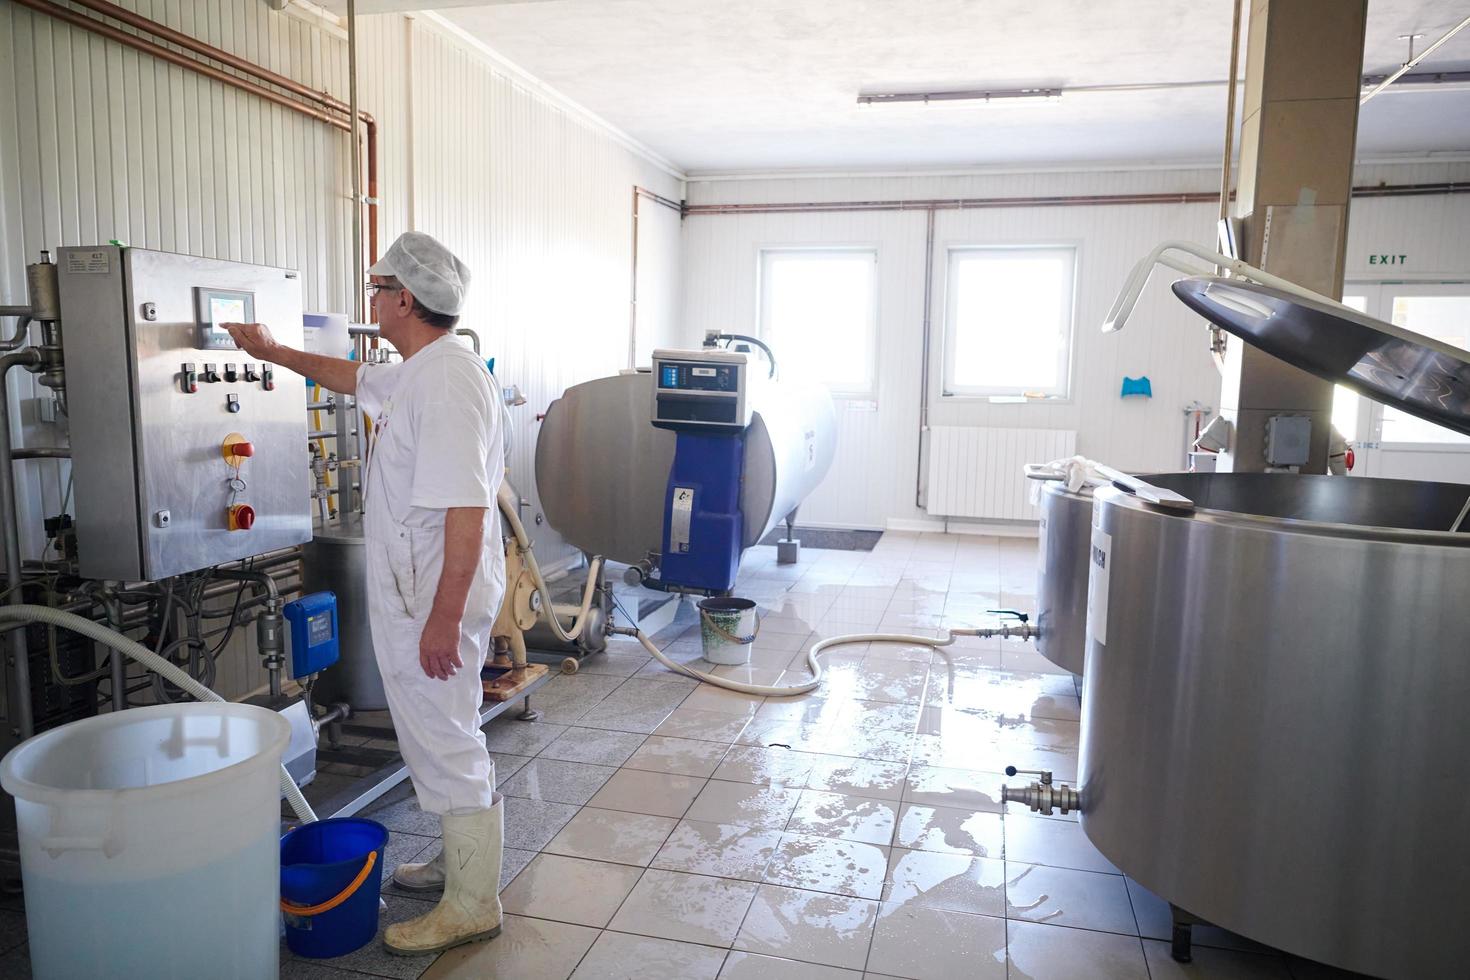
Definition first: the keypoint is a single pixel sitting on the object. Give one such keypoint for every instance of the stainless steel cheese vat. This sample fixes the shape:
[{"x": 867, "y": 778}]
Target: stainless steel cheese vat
[
  {"x": 1064, "y": 533},
  {"x": 1273, "y": 729}
]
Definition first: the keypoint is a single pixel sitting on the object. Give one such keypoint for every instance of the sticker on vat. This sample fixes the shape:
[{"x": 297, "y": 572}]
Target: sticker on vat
[{"x": 1097, "y": 586}]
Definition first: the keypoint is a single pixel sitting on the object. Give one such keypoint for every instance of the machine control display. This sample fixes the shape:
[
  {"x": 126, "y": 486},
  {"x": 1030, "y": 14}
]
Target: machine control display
[
  {"x": 213, "y": 307},
  {"x": 319, "y": 628},
  {"x": 699, "y": 377}
]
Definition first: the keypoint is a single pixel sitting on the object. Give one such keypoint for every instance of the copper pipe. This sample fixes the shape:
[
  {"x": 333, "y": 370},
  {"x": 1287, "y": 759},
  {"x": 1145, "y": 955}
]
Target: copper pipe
[
  {"x": 372, "y": 189},
  {"x": 359, "y": 270},
  {"x": 183, "y": 61},
  {"x": 640, "y": 193},
  {"x": 657, "y": 198},
  {"x": 209, "y": 51},
  {"x": 1078, "y": 200},
  {"x": 166, "y": 33}
]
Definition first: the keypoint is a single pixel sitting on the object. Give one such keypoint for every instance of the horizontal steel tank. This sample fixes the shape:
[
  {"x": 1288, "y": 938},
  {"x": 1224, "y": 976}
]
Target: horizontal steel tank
[
  {"x": 335, "y": 561},
  {"x": 1063, "y": 542},
  {"x": 602, "y": 468},
  {"x": 1273, "y": 717}
]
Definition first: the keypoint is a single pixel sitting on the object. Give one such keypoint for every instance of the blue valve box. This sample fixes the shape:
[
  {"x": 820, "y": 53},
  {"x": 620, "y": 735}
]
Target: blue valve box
[{"x": 311, "y": 635}]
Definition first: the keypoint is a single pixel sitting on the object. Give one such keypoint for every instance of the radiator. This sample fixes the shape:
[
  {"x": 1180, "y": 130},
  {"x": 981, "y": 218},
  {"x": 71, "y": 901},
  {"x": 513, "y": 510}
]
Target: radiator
[{"x": 976, "y": 472}]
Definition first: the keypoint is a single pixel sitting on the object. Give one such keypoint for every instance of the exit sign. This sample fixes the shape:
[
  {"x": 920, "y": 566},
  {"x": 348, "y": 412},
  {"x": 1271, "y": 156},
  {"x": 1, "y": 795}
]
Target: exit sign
[{"x": 1377, "y": 259}]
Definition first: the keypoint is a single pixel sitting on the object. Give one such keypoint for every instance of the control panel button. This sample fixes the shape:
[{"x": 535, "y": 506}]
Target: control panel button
[
  {"x": 232, "y": 403},
  {"x": 268, "y": 377},
  {"x": 231, "y": 375},
  {"x": 210, "y": 373},
  {"x": 241, "y": 517},
  {"x": 188, "y": 379},
  {"x": 250, "y": 373}
]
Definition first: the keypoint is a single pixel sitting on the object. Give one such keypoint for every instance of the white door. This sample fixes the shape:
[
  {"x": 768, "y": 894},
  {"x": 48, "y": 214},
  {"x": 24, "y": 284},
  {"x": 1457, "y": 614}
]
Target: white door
[{"x": 1388, "y": 442}]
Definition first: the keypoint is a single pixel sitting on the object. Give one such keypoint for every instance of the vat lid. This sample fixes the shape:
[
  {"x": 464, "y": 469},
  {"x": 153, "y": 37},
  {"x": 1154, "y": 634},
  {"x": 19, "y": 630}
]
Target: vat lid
[{"x": 1422, "y": 376}]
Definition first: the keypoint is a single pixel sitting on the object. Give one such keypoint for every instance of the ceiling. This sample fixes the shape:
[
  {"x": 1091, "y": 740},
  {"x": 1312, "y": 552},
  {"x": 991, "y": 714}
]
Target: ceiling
[{"x": 761, "y": 85}]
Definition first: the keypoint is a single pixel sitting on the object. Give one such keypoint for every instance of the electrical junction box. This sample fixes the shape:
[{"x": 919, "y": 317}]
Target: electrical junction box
[
  {"x": 1288, "y": 440},
  {"x": 186, "y": 453},
  {"x": 311, "y": 637}
]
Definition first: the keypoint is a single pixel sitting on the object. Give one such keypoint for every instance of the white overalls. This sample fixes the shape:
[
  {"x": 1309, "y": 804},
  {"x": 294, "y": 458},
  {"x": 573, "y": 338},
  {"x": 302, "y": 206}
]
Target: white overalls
[{"x": 437, "y": 444}]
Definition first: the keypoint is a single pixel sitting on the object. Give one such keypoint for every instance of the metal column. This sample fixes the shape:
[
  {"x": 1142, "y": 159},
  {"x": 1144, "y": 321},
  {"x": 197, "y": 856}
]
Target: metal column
[{"x": 1303, "y": 78}]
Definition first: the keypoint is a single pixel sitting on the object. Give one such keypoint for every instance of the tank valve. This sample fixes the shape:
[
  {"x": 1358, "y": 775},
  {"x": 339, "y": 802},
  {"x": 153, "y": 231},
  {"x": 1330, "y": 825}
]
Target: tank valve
[{"x": 1042, "y": 796}]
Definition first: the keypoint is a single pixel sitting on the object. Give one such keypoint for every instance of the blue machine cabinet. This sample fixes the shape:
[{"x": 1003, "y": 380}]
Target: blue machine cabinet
[{"x": 703, "y": 524}]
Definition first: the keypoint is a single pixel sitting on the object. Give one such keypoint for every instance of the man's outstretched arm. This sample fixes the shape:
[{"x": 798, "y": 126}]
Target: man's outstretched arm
[{"x": 337, "y": 373}]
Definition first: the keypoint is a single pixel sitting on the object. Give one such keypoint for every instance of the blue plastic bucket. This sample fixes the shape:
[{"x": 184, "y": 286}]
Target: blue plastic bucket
[{"x": 331, "y": 876}]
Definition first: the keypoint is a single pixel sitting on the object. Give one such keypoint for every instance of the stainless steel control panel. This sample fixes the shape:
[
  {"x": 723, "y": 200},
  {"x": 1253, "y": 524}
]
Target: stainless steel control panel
[{"x": 186, "y": 451}]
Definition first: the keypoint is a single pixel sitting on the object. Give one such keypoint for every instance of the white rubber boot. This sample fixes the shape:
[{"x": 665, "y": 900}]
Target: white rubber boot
[
  {"x": 470, "y": 908},
  {"x": 427, "y": 876}
]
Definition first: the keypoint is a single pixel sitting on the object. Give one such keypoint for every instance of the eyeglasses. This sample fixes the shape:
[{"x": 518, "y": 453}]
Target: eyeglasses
[{"x": 373, "y": 288}]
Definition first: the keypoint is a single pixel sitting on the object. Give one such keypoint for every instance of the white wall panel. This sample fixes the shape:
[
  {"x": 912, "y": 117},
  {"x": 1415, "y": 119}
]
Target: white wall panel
[
  {"x": 100, "y": 142},
  {"x": 874, "y": 477}
]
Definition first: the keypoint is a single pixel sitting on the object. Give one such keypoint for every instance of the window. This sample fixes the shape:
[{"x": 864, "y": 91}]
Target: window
[
  {"x": 1008, "y": 328},
  {"x": 1446, "y": 319},
  {"x": 1438, "y": 311},
  {"x": 819, "y": 313},
  {"x": 1345, "y": 400}
]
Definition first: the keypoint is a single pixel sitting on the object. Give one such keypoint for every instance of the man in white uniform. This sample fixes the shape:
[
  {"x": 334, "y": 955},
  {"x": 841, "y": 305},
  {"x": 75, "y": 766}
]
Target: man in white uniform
[{"x": 436, "y": 570}]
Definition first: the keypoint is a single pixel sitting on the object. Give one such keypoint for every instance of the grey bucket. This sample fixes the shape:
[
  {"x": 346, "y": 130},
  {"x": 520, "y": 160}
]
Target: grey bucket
[{"x": 727, "y": 628}]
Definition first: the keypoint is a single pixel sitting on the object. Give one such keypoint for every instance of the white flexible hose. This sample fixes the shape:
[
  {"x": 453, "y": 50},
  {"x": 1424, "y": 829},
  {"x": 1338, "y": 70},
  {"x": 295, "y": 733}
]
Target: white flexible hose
[
  {"x": 813, "y": 664},
  {"x": 149, "y": 659},
  {"x": 548, "y": 613}
]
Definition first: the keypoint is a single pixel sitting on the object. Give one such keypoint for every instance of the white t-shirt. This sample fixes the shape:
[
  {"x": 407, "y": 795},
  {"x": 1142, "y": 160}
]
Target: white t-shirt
[{"x": 437, "y": 436}]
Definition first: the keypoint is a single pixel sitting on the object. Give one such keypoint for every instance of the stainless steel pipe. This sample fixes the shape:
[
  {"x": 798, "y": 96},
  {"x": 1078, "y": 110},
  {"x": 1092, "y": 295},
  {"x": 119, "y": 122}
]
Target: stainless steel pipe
[{"x": 20, "y": 663}]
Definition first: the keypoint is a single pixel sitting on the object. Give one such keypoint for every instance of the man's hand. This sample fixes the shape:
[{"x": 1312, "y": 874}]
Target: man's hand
[
  {"x": 439, "y": 647},
  {"x": 254, "y": 339}
]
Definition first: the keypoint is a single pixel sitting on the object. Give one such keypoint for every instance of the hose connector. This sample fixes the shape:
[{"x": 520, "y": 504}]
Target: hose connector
[{"x": 1041, "y": 796}]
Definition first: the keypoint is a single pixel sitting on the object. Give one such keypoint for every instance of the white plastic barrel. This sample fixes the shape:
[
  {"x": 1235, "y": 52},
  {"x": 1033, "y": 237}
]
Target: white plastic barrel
[{"x": 150, "y": 842}]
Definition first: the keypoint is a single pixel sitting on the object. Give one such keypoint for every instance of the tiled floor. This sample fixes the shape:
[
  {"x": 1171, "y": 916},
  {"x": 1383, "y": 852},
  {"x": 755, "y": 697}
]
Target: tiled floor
[{"x": 659, "y": 829}]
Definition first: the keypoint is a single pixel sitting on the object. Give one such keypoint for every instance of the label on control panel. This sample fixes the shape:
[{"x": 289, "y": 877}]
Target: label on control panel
[
  {"x": 680, "y": 519},
  {"x": 93, "y": 263},
  {"x": 1097, "y": 586}
]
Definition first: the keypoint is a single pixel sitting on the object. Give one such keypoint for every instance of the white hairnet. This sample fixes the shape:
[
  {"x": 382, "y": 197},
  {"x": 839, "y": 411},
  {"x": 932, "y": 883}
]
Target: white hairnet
[{"x": 427, "y": 269}]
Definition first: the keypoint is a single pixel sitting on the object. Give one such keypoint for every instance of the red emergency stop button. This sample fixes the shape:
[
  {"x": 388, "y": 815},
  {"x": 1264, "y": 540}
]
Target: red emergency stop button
[
  {"x": 242, "y": 517},
  {"x": 236, "y": 449}
]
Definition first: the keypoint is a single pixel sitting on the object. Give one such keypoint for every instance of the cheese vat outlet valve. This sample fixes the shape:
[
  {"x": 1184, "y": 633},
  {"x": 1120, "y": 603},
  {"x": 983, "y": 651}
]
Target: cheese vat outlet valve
[{"x": 1041, "y": 796}]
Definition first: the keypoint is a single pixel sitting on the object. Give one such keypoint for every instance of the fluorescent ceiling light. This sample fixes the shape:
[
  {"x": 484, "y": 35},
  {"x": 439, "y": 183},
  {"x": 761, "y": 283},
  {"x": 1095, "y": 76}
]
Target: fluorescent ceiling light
[{"x": 996, "y": 96}]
